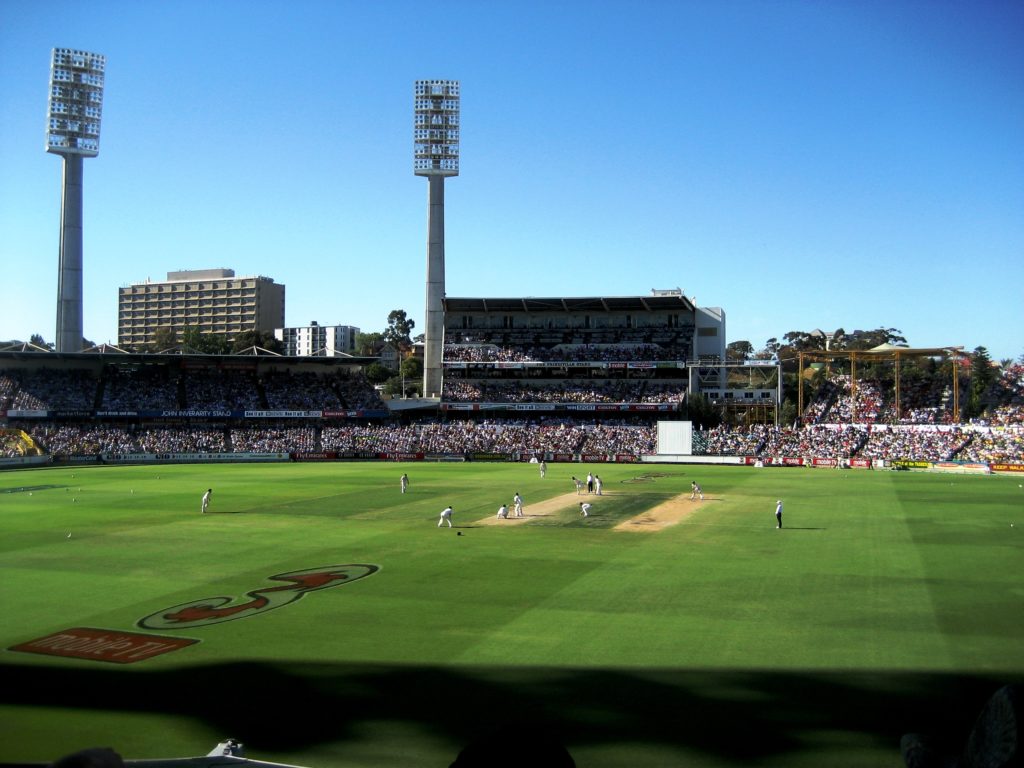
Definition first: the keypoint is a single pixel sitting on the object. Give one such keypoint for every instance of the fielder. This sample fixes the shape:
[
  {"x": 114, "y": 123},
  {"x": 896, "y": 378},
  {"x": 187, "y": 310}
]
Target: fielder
[
  {"x": 585, "y": 508},
  {"x": 543, "y": 468},
  {"x": 404, "y": 482},
  {"x": 446, "y": 517},
  {"x": 206, "y": 500},
  {"x": 778, "y": 513},
  {"x": 503, "y": 512}
]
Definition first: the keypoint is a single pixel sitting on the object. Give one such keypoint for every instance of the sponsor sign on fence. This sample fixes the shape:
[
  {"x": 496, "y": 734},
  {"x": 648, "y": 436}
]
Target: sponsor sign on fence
[{"x": 1007, "y": 467}]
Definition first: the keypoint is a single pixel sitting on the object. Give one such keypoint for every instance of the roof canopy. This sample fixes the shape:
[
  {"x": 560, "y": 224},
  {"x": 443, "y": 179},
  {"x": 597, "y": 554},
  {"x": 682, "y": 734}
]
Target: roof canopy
[
  {"x": 566, "y": 304},
  {"x": 881, "y": 352}
]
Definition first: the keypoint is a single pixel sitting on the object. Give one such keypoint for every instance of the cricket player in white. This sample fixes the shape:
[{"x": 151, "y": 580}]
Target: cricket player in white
[
  {"x": 585, "y": 508},
  {"x": 446, "y": 516},
  {"x": 778, "y": 513},
  {"x": 517, "y": 504},
  {"x": 503, "y": 512},
  {"x": 206, "y": 500},
  {"x": 404, "y": 482}
]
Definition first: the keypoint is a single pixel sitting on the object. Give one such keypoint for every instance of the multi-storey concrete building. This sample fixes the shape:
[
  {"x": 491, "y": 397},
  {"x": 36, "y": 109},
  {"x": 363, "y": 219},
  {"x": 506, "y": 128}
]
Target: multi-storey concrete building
[
  {"x": 316, "y": 339},
  {"x": 212, "y": 300}
]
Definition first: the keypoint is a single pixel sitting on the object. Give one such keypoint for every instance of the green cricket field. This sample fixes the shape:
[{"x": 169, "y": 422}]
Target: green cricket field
[{"x": 324, "y": 619}]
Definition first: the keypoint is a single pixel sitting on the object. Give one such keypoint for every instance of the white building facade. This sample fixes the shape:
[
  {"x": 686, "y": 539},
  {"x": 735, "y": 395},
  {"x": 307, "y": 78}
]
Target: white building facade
[{"x": 318, "y": 340}]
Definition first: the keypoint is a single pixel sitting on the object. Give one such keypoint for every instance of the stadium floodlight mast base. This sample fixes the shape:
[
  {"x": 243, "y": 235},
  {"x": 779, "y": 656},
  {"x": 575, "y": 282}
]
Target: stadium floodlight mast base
[
  {"x": 436, "y": 156},
  {"x": 73, "y": 132}
]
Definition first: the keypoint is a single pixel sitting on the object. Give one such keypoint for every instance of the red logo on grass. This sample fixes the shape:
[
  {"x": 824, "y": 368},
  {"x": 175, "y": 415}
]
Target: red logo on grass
[
  {"x": 214, "y": 610},
  {"x": 103, "y": 645}
]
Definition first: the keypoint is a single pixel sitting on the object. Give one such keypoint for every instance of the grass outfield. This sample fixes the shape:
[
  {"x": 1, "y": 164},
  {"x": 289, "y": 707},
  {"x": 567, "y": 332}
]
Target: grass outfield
[{"x": 891, "y": 602}]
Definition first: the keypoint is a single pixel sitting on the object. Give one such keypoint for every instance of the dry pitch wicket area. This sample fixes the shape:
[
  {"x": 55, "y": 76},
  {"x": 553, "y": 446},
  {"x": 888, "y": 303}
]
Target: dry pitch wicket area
[
  {"x": 663, "y": 515},
  {"x": 322, "y": 618}
]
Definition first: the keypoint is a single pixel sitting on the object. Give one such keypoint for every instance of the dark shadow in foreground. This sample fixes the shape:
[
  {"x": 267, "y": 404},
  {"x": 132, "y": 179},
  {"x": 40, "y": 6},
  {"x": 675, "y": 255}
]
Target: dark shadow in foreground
[{"x": 739, "y": 717}]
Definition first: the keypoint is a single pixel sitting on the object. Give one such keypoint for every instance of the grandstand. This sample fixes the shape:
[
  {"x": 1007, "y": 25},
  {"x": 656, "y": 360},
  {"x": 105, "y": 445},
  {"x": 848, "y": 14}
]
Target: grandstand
[
  {"x": 557, "y": 379},
  {"x": 627, "y": 354}
]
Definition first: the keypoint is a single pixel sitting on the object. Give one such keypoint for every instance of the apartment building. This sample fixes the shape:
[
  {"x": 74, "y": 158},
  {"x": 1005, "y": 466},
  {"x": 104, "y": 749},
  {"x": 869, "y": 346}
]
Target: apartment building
[
  {"x": 319, "y": 340},
  {"x": 212, "y": 300}
]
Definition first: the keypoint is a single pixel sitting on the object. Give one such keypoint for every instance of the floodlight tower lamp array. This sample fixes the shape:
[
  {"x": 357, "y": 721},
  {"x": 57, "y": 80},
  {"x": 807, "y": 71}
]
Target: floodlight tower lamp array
[
  {"x": 74, "y": 115},
  {"x": 436, "y": 106}
]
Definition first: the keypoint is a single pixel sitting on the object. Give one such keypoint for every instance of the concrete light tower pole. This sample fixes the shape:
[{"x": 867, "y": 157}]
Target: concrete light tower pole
[
  {"x": 436, "y": 155},
  {"x": 73, "y": 132}
]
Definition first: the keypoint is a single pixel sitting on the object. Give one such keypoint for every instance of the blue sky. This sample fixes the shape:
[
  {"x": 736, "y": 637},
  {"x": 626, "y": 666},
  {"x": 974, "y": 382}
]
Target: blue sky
[{"x": 800, "y": 164}]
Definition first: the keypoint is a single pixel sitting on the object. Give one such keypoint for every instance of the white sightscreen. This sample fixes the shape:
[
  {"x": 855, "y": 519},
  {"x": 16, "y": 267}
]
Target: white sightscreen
[{"x": 675, "y": 437}]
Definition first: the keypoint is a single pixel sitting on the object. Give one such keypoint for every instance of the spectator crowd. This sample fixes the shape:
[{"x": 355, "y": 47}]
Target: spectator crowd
[{"x": 843, "y": 420}]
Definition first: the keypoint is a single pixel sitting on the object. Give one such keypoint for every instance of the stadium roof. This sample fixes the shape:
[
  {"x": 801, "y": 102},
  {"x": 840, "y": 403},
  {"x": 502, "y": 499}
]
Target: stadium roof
[
  {"x": 113, "y": 355},
  {"x": 565, "y": 304},
  {"x": 882, "y": 351}
]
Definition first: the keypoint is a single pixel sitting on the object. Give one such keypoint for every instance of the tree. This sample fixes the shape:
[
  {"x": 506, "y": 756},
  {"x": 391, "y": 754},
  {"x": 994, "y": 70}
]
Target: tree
[
  {"x": 702, "y": 411},
  {"x": 983, "y": 375},
  {"x": 376, "y": 373},
  {"x": 411, "y": 368},
  {"x": 368, "y": 343},
  {"x": 770, "y": 350},
  {"x": 739, "y": 350},
  {"x": 264, "y": 339},
  {"x": 876, "y": 338},
  {"x": 408, "y": 381},
  {"x": 804, "y": 341},
  {"x": 164, "y": 338},
  {"x": 788, "y": 413},
  {"x": 204, "y": 343},
  {"x": 398, "y": 330},
  {"x": 38, "y": 340}
]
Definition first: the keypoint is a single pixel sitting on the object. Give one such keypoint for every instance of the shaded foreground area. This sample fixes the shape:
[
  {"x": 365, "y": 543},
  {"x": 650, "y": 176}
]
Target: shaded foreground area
[{"x": 292, "y": 713}]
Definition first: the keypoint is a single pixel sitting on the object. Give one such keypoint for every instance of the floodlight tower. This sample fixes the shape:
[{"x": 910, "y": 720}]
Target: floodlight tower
[
  {"x": 436, "y": 155},
  {"x": 73, "y": 132}
]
